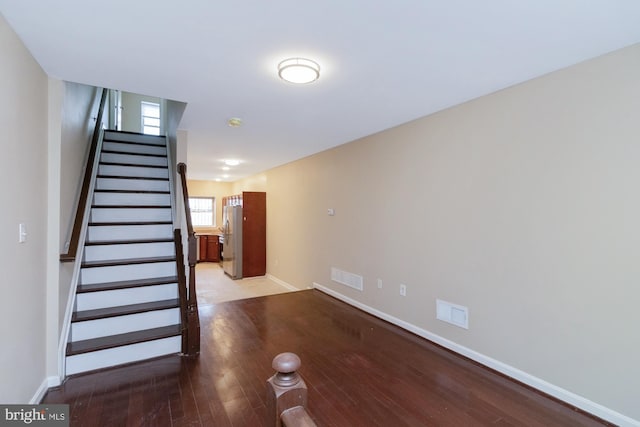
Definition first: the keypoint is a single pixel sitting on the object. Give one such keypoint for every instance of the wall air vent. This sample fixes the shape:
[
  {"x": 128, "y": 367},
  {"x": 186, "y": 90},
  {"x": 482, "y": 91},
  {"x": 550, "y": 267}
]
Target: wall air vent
[
  {"x": 452, "y": 313},
  {"x": 348, "y": 279}
]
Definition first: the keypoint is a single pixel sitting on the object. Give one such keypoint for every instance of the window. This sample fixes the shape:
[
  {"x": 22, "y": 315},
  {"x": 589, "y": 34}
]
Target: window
[
  {"x": 150, "y": 118},
  {"x": 203, "y": 211}
]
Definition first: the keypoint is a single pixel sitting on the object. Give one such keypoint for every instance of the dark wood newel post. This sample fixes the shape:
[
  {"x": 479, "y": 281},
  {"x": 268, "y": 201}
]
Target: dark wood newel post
[
  {"x": 287, "y": 394},
  {"x": 193, "y": 319},
  {"x": 182, "y": 290}
]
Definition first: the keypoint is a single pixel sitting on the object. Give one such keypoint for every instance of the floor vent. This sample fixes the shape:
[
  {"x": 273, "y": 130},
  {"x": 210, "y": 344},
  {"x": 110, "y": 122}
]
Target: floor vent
[{"x": 348, "y": 279}]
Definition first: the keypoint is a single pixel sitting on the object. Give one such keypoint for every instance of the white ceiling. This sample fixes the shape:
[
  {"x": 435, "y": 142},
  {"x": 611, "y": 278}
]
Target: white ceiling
[{"x": 383, "y": 63}]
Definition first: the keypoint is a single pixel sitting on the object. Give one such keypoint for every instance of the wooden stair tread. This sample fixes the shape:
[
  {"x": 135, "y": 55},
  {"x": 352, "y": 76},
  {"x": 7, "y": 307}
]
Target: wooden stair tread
[
  {"x": 143, "y": 144},
  {"x": 125, "y": 223},
  {"x": 127, "y": 261},
  {"x": 147, "y": 178},
  {"x": 119, "y": 340},
  {"x": 102, "y": 313},
  {"x": 134, "y": 154},
  {"x": 131, "y": 206},
  {"x": 133, "y": 165},
  {"x": 132, "y": 191},
  {"x": 126, "y": 284},
  {"x": 126, "y": 242},
  {"x": 108, "y": 132}
]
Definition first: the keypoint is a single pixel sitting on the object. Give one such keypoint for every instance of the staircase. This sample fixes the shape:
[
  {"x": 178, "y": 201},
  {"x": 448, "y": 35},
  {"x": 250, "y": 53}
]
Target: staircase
[{"x": 127, "y": 306}]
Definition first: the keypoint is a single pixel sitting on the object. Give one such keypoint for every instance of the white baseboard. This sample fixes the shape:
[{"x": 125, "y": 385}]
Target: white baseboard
[
  {"x": 283, "y": 283},
  {"x": 528, "y": 379},
  {"x": 47, "y": 383}
]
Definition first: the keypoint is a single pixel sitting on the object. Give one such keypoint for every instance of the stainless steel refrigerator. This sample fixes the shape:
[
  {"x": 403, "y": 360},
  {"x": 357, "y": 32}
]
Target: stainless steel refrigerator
[{"x": 232, "y": 248}]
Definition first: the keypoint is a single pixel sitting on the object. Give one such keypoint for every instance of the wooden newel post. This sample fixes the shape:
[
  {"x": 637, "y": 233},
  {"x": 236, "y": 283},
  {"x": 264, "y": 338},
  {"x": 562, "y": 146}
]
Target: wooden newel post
[
  {"x": 286, "y": 390},
  {"x": 193, "y": 318}
]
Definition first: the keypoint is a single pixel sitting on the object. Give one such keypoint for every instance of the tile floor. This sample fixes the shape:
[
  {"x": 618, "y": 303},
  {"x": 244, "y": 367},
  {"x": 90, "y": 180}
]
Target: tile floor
[{"x": 213, "y": 286}]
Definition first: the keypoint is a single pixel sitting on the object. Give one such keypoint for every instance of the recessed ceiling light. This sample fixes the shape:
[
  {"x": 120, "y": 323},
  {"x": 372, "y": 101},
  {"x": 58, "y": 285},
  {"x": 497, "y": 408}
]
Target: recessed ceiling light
[
  {"x": 225, "y": 168},
  {"x": 235, "y": 122},
  {"x": 299, "y": 70},
  {"x": 232, "y": 162}
]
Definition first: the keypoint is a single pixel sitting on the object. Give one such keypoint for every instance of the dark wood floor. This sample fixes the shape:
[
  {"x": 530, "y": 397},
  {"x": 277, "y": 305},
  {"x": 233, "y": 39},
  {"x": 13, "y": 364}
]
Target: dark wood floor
[{"x": 360, "y": 371}]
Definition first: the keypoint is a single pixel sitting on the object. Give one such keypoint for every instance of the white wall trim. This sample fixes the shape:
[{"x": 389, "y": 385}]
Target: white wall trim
[
  {"x": 528, "y": 379},
  {"x": 47, "y": 383},
  {"x": 283, "y": 283}
]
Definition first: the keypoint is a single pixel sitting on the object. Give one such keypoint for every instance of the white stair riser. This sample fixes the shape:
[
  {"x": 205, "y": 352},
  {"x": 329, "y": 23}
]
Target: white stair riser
[
  {"x": 131, "y": 184},
  {"x": 119, "y": 297},
  {"x": 134, "y": 148},
  {"x": 129, "y": 232},
  {"x": 129, "y": 250},
  {"x": 133, "y": 159},
  {"x": 130, "y": 214},
  {"x": 127, "y": 272},
  {"x": 120, "y": 355},
  {"x": 117, "y": 170},
  {"x": 123, "y": 324},
  {"x": 138, "y": 138},
  {"x": 131, "y": 199}
]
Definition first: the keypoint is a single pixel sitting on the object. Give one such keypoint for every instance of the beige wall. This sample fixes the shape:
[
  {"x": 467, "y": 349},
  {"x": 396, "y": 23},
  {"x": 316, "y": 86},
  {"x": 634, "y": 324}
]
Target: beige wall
[
  {"x": 252, "y": 183},
  {"x": 23, "y": 173},
  {"x": 522, "y": 205}
]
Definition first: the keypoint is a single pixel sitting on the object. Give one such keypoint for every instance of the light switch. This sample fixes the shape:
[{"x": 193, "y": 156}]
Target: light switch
[
  {"x": 331, "y": 212},
  {"x": 22, "y": 228}
]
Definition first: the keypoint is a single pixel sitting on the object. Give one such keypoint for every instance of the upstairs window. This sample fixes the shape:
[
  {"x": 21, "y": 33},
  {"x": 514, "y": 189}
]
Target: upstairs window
[
  {"x": 150, "y": 118},
  {"x": 202, "y": 211}
]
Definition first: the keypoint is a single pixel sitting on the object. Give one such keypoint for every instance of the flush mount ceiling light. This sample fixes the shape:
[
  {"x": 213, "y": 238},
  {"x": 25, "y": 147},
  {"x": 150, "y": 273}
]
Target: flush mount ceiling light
[
  {"x": 299, "y": 70},
  {"x": 235, "y": 122},
  {"x": 232, "y": 162}
]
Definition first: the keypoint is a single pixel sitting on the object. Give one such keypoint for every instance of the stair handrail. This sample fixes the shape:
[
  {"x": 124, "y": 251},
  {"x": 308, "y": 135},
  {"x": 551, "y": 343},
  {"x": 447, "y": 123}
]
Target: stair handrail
[
  {"x": 193, "y": 319},
  {"x": 72, "y": 250},
  {"x": 287, "y": 394}
]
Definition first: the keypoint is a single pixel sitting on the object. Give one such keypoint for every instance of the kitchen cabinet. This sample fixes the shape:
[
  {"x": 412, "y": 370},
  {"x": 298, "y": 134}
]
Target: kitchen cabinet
[{"x": 209, "y": 248}]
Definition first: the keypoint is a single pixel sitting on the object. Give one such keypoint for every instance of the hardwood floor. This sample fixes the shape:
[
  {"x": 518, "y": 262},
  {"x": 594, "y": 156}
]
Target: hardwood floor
[{"x": 361, "y": 371}]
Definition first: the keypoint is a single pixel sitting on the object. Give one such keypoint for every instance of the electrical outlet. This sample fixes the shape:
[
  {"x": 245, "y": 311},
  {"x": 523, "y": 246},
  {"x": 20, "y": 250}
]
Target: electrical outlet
[
  {"x": 403, "y": 290},
  {"x": 379, "y": 283}
]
